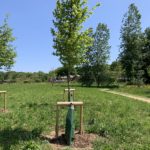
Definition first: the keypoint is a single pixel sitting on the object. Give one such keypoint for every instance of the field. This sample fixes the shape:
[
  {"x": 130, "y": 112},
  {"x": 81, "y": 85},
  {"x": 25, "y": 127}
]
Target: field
[{"x": 121, "y": 123}]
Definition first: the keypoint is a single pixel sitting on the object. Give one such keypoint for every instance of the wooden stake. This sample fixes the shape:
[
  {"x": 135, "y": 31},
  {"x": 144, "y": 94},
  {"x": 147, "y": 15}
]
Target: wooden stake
[
  {"x": 59, "y": 104},
  {"x": 71, "y": 90},
  {"x": 69, "y": 103},
  {"x": 57, "y": 121},
  {"x": 81, "y": 119},
  {"x": 4, "y": 101},
  {"x": 4, "y": 95}
]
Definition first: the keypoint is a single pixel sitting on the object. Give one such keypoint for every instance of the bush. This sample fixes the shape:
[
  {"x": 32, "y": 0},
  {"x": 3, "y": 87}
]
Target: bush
[
  {"x": 37, "y": 80},
  {"x": 9, "y": 81},
  {"x": 86, "y": 76},
  {"x": 27, "y": 81}
]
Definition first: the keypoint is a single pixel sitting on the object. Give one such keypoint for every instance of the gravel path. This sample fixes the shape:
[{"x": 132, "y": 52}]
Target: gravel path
[{"x": 140, "y": 98}]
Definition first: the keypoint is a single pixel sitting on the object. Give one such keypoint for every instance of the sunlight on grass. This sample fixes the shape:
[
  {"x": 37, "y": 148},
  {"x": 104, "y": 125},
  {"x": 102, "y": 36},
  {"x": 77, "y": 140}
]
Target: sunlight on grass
[{"x": 121, "y": 123}]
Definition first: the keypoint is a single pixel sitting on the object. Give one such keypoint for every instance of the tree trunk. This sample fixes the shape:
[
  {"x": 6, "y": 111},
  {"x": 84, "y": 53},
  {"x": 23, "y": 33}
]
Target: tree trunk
[
  {"x": 68, "y": 81},
  {"x": 69, "y": 130}
]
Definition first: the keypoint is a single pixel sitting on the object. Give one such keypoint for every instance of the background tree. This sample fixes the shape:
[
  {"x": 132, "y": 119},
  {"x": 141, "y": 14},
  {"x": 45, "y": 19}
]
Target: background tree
[
  {"x": 131, "y": 54},
  {"x": 100, "y": 53},
  {"x": 86, "y": 75},
  {"x": 62, "y": 71},
  {"x": 85, "y": 70},
  {"x": 7, "y": 53},
  {"x": 146, "y": 55},
  {"x": 39, "y": 76},
  {"x": 2, "y": 74},
  {"x": 116, "y": 71}
]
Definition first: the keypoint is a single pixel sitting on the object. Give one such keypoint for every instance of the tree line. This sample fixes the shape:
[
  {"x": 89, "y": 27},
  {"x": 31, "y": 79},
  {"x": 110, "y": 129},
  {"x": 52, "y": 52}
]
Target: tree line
[
  {"x": 32, "y": 77},
  {"x": 132, "y": 64},
  {"x": 135, "y": 48},
  {"x": 23, "y": 77}
]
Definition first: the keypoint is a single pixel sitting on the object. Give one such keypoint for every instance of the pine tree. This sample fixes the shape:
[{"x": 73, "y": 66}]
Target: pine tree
[
  {"x": 131, "y": 55},
  {"x": 146, "y": 55}
]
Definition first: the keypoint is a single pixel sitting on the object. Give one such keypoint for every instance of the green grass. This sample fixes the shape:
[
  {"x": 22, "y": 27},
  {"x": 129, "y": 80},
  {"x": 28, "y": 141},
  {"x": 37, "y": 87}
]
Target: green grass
[
  {"x": 140, "y": 91},
  {"x": 121, "y": 123}
]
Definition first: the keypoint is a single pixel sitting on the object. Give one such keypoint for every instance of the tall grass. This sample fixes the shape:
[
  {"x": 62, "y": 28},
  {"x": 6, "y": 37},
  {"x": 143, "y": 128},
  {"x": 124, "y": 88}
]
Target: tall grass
[{"x": 121, "y": 123}]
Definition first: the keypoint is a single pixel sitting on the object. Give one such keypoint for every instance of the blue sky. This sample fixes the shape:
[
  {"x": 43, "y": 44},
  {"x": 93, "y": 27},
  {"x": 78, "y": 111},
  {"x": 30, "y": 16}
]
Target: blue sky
[{"x": 31, "y": 21}]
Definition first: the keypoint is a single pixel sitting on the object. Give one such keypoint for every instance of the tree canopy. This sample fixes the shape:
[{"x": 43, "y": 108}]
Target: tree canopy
[
  {"x": 70, "y": 41},
  {"x": 130, "y": 42},
  {"x": 100, "y": 52},
  {"x": 7, "y": 53}
]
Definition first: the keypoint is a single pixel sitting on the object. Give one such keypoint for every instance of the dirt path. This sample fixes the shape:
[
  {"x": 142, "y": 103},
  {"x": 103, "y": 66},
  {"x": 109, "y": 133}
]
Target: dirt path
[{"x": 144, "y": 99}]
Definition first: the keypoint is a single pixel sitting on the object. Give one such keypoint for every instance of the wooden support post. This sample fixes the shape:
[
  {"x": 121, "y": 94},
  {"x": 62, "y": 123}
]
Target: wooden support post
[
  {"x": 59, "y": 104},
  {"x": 81, "y": 119},
  {"x": 69, "y": 103},
  {"x": 71, "y": 90},
  {"x": 4, "y": 101},
  {"x": 57, "y": 121}
]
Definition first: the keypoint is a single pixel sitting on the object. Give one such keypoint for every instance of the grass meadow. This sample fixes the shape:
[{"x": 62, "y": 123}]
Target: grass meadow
[{"x": 121, "y": 123}]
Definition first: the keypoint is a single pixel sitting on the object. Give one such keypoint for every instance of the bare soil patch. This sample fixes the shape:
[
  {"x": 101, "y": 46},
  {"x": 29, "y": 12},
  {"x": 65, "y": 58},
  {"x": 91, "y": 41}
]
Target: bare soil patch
[
  {"x": 4, "y": 111},
  {"x": 80, "y": 142}
]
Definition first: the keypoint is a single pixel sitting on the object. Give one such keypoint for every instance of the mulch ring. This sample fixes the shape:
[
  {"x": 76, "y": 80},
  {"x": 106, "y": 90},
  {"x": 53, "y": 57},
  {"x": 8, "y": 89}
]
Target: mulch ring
[
  {"x": 4, "y": 110},
  {"x": 80, "y": 142}
]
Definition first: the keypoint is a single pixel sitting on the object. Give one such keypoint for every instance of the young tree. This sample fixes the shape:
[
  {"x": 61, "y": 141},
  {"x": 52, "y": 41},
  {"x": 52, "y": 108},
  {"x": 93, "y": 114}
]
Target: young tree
[
  {"x": 7, "y": 53},
  {"x": 100, "y": 52},
  {"x": 70, "y": 41},
  {"x": 130, "y": 55}
]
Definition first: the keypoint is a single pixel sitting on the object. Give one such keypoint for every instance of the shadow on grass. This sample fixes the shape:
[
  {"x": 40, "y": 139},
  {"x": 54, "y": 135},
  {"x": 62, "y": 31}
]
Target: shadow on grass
[
  {"x": 9, "y": 137},
  {"x": 147, "y": 94},
  {"x": 110, "y": 86},
  {"x": 35, "y": 105},
  {"x": 93, "y": 86},
  {"x": 60, "y": 140}
]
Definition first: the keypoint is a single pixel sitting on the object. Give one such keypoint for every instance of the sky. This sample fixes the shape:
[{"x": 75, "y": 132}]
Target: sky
[{"x": 31, "y": 21}]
